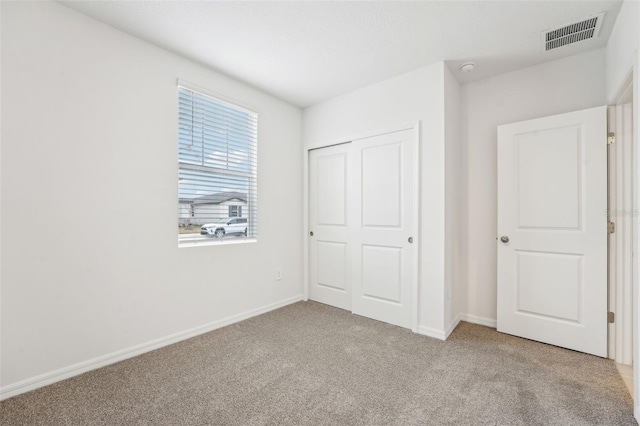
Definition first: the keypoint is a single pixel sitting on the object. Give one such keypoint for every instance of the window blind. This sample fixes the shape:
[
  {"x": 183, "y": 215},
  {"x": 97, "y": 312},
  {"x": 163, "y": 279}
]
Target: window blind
[{"x": 217, "y": 168}]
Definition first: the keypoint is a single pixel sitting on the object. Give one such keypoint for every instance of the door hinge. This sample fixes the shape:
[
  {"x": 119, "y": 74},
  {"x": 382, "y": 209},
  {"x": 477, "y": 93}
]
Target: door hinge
[
  {"x": 611, "y": 317},
  {"x": 611, "y": 227},
  {"x": 611, "y": 138}
]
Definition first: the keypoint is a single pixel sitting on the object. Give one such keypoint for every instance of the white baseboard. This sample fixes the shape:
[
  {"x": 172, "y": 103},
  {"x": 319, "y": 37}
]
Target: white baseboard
[
  {"x": 452, "y": 327},
  {"x": 432, "y": 332},
  {"x": 626, "y": 373},
  {"x": 474, "y": 319},
  {"x": 444, "y": 334},
  {"x": 104, "y": 360}
]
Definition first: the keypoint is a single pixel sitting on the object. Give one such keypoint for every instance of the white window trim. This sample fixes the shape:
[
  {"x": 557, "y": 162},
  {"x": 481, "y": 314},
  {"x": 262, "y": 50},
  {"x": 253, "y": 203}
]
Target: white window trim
[
  {"x": 223, "y": 99},
  {"x": 184, "y": 240},
  {"x": 188, "y": 243}
]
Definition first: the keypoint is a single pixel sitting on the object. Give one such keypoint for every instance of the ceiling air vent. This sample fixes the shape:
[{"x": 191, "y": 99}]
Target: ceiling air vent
[{"x": 572, "y": 33}]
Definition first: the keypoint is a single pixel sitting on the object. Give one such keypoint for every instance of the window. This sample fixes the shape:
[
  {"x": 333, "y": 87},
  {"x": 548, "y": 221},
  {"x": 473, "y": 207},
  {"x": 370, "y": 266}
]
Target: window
[
  {"x": 217, "y": 169},
  {"x": 235, "y": 211}
]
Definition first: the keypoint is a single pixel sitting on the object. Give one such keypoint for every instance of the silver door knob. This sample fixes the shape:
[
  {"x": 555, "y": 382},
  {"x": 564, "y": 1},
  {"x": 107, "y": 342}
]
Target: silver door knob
[
  {"x": 410, "y": 240},
  {"x": 504, "y": 239},
  {"x": 311, "y": 234}
]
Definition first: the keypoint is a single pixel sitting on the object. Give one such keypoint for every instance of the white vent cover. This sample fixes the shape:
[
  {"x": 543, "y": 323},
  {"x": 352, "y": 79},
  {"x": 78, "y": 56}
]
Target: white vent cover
[{"x": 585, "y": 29}]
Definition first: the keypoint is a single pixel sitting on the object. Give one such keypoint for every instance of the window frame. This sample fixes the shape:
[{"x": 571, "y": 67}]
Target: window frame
[{"x": 195, "y": 239}]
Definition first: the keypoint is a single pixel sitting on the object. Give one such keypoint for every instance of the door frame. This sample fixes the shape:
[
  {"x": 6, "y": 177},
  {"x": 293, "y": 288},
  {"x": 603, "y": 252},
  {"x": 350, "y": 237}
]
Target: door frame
[
  {"x": 633, "y": 75},
  {"x": 621, "y": 211},
  {"x": 415, "y": 127}
]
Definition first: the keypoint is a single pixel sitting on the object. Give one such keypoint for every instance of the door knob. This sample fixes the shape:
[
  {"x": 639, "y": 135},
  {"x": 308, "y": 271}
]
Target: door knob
[
  {"x": 311, "y": 234},
  {"x": 410, "y": 240},
  {"x": 504, "y": 239}
]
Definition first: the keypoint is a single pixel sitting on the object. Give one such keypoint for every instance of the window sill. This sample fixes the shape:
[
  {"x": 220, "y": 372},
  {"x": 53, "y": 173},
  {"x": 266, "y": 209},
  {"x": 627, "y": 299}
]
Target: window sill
[{"x": 202, "y": 242}]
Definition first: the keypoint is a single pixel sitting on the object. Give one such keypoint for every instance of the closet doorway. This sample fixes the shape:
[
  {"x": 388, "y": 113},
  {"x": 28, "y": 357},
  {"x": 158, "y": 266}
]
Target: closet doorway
[{"x": 362, "y": 226}]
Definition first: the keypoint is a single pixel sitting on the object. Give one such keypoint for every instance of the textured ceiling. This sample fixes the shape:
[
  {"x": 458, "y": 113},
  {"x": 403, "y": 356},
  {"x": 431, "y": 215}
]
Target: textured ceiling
[{"x": 305, "y": 52}]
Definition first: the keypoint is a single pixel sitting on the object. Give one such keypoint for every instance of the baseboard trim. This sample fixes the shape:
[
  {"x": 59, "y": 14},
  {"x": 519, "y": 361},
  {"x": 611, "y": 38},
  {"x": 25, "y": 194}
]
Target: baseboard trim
[
  {"x": 432, "y": 332},
  {"x": 452, "y": 327},
  {"x": 474, "y": 319},
  {"x": 104, "y": 360},
  {"x": 626, "y": 373},
  {"x": 444, "y": 334}
]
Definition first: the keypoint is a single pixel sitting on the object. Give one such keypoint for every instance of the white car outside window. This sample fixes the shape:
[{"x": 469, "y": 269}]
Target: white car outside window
[{"x": 229, "y": 226}]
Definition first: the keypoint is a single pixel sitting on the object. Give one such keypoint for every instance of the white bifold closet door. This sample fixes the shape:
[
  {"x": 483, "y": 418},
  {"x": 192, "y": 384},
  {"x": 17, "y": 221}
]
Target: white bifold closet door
[{"x": 362, "y": 256}]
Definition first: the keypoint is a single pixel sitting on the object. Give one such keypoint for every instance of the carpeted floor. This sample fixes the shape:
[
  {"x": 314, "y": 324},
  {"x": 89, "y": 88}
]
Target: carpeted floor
[{"x": 309, "y": 364}]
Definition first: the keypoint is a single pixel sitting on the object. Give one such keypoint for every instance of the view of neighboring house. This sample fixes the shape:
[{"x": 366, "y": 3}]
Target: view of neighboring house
[{"x": 212, "y": 207}]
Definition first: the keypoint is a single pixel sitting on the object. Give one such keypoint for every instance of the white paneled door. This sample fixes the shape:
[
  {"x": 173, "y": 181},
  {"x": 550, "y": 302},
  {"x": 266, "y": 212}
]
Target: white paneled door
[
  {"x": 382, "y": 231},
  {"x": 328, "y": 207},
  {"x": 552, "y": 230},
  {"x": 361, "y": 215}
]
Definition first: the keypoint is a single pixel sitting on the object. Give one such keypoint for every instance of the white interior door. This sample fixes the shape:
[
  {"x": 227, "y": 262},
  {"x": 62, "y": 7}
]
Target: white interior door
[
  {"x": 328, "y": 247},
  {"x": 382, "y": 179},
  {"x": 552, "y": 230}
]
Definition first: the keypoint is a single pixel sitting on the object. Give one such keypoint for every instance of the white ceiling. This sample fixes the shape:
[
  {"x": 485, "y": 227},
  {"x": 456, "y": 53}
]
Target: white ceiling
[{"x": 306, "y": 51}]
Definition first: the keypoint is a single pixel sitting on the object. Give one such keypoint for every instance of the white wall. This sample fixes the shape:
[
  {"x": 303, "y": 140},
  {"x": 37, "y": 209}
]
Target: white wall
[
  {"x": 455, "y": 204},
  {"x": 417, "y": 95},
  {"x": 564, "y": 85},
  {"x": 623, "y": 42},
  {"x": 89, "y": 119}
]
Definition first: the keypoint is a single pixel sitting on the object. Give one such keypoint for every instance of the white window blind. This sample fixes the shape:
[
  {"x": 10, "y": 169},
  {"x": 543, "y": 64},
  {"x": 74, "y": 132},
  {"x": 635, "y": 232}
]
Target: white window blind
[{"x": 217, "y": 169}]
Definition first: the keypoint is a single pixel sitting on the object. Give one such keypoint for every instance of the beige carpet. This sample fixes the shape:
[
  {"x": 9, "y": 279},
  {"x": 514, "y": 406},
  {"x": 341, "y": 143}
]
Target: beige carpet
[{"x": 312, "y": 364}]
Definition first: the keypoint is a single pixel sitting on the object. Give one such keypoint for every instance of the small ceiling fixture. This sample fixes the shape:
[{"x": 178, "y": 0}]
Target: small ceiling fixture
[{"x": 467, "y": 67}]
